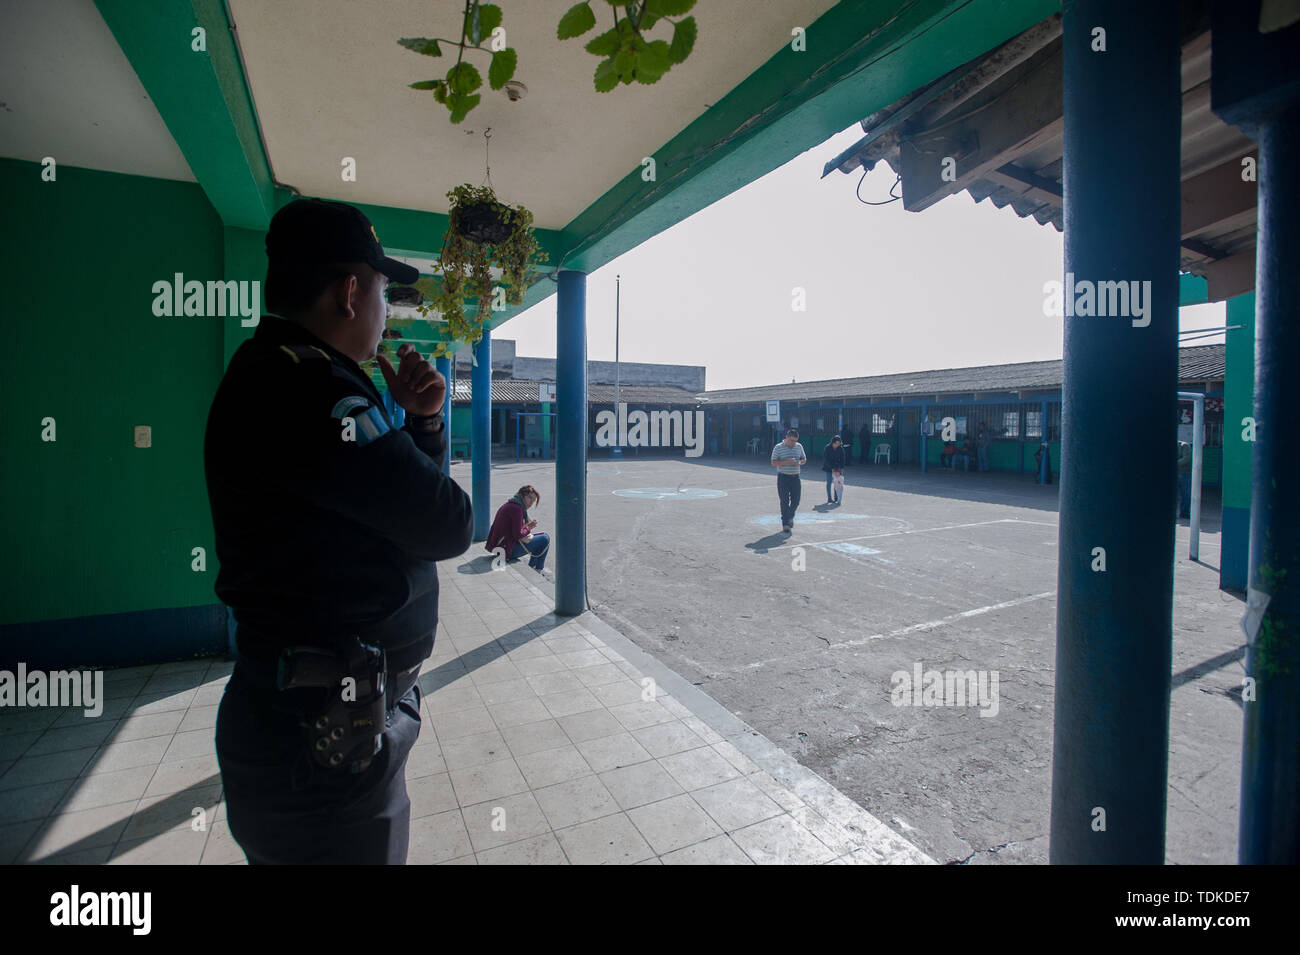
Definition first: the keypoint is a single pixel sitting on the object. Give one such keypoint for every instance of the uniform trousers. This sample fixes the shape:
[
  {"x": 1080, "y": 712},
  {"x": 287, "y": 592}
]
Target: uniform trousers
[{"x": 282, "y": 807}]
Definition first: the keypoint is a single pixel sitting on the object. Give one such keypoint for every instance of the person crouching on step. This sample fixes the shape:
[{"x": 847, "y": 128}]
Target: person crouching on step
[{"x": 514, "y": 533}]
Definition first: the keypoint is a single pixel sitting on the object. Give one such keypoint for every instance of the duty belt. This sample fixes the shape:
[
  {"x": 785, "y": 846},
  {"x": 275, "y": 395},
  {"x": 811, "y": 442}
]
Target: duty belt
[{"x": 344, "y": 697}]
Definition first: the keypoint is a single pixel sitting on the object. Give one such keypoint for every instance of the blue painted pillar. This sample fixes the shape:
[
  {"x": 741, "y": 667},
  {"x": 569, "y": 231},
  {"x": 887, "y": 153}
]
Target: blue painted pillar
[
  {"x": 731, "y": 422},
  {"x": 571, "y": 445},
  {"x": 1024, "y": 434},
  {"x": 480, "y": 436},
  {"x": 396, "y": 413},
  {"x": 444, "y": 368},
  {"x": 923, "y": 441},
  {"x": 1113, "y": 626},
  {"x": 1256, "y": 87},
  {"x": 1045, "y": 465}
]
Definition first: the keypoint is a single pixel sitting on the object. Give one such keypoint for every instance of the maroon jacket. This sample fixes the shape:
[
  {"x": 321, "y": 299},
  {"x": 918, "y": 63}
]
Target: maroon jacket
[{"x": 508, "y": 527}]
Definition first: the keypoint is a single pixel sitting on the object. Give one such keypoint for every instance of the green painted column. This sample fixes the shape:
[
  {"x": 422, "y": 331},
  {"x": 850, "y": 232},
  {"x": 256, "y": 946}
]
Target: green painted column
[
  {"x": 546, "y": 430},
  {"x": 1238, "y": 405}
]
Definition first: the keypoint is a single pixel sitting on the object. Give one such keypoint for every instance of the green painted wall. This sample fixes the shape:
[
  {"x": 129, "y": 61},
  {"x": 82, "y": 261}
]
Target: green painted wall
[
  {"x": 93, "y": 525},
  {"x": 245, "y": 261},
  {"x": 460, "y": 429},
  {"x": 1238, "y": 403}
]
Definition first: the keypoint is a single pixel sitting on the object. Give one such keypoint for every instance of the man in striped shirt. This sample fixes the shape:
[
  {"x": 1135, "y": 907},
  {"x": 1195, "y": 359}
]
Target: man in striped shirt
[{"x": 786, "y": 458}]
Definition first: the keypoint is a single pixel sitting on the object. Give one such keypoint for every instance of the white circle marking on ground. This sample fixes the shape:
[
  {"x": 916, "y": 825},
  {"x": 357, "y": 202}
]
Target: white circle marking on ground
[{"x": 670, "y": 493}]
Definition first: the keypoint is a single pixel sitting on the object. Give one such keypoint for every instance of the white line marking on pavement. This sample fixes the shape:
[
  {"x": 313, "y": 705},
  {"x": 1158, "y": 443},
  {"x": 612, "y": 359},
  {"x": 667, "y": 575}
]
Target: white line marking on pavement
[
  {"x": 917, "y": 530},
  {"x": 902, "y": 631}
]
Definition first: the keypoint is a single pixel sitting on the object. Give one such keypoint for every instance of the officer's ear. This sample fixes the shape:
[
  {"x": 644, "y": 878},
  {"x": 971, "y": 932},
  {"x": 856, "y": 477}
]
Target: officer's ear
[
  {"x": 343, "y": 293},
  {"x": 347, "y": 293}
]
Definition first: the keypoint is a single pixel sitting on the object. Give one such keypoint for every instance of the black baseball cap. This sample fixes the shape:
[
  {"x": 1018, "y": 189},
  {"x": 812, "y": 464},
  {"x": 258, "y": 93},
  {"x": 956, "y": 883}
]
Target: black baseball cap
[{"x": 319, "y": 232}]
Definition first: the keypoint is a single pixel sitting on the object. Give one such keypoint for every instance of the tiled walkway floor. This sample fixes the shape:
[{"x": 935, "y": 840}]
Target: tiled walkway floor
[{"x": 547, "y": 740}]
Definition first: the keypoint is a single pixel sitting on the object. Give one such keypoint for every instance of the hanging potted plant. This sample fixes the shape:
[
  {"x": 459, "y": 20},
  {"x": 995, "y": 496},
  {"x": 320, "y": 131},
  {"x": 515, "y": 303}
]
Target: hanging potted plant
[
  {"x": 482, "y": 232},
  {"x": 484, "y": 220}
]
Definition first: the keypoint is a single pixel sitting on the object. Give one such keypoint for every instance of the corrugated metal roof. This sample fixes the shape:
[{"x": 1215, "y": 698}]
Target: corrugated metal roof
[
  {"x": 1195, "y": 364},
  {"x": 510, "y": 391},
  {"x": 1031, "y": 182}
]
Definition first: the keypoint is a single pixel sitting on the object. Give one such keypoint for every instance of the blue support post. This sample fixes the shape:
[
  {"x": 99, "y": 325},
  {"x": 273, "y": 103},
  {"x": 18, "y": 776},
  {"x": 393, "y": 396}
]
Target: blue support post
[
  {"x": 924, "y": 447},
  {"x": 443, "y": 366},
  {"x": 1024, "y": 434},
  {"x": 1045, "y": 465},
  {"x": 1113, "y": 625},
  {"x": 396, "y": 413},
  {"x": 731, "y": 443},
  {"x": 1256, "y": 87},
  {"x": 480, "y": 436},
  {"x": 571, "y": 445}
]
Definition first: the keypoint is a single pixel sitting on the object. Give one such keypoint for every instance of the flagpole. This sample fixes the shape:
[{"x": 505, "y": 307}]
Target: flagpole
[{"x": 616, "y": 451}]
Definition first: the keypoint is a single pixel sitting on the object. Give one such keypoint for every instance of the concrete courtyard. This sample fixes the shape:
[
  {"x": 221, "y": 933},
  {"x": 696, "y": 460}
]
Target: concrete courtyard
[{"x": 949, "y": 571}]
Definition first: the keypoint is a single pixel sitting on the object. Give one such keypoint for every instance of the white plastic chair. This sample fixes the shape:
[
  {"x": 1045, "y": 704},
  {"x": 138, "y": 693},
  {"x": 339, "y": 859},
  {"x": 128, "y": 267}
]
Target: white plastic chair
[
  {"x": 882, "y": 449},
  {"x": 752, "y": 446}
]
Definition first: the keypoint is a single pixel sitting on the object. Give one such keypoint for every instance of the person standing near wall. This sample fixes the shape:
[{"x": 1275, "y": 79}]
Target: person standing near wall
[
  {"x": 982, "y": 442},
  {"x": 864, "y": 443},
  {"x": 787, "y": 457},
  {"x": 1184, "y": 479},
  {"x": 963, "y": 455},
  {"x": 833, "y": 458},
  {"x": 329, "y": 522}
]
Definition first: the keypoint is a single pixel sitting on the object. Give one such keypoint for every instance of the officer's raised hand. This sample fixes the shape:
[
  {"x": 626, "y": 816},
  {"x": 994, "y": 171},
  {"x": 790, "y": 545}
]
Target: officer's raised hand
[{"x": 415, "y": 384}]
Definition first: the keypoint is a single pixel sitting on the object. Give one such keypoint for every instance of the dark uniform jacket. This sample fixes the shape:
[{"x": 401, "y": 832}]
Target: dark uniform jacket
[
  {"x": 319, "y": 537},
  {"x": 833, "y": 458}
]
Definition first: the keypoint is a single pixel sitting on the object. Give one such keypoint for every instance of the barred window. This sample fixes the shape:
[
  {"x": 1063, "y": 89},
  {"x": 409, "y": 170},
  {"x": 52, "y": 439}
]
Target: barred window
[
  {"x": 1011, "y": 424},
  {"x": 1033, "y": 424}
]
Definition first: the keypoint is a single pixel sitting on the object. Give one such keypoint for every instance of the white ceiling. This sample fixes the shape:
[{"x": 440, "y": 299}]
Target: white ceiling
[
  {"x": 69, "y": 92},
  {"x": 330, "y": 81}
]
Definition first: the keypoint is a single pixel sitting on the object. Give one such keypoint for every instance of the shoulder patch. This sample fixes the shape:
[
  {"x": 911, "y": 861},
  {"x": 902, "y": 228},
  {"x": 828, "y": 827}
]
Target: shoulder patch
[
  {"x": 368, "y": 425},
  {"x": 300, "y": 352}
]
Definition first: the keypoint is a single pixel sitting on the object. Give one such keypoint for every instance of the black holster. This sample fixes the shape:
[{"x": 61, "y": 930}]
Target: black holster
[{"x": 349, "y": 730}]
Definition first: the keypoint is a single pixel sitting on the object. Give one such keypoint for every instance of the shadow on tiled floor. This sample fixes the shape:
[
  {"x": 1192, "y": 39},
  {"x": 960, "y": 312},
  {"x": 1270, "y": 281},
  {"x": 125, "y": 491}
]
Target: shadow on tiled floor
[{"x": 547, "y": 740}]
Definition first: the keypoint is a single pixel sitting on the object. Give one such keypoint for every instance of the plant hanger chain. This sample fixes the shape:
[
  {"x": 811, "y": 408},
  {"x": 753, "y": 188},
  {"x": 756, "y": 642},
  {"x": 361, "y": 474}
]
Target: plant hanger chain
[{"x": 487, "y": 156}]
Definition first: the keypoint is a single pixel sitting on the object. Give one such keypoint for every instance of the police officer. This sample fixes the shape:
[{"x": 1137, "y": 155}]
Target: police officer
[{"x": 328, "y": 522}]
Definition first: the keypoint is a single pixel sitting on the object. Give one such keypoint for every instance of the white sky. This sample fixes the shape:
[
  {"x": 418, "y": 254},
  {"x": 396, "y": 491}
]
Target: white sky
[{"x": 887, "y": 290}]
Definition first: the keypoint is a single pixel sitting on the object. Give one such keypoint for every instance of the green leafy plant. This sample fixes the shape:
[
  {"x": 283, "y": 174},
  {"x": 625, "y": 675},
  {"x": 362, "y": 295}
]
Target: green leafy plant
[
  {"x": 481, "y": 232},
  {"x": 626, "y": 53},
  {"x": 456, "y": 89}
]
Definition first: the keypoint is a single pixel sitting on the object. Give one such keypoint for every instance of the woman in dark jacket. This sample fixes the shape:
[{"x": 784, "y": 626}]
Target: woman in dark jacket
[
  {"x": 512, "y": 531},
  {"x": 832, "y": 464}
]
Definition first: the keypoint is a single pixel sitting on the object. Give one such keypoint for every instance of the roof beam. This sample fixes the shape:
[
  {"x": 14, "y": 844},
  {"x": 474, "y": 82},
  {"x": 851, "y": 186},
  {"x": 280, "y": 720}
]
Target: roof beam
[
  {"x": 1029, "y": 184},
  {"x": 1022, "y": 111},
  {"x": 202, "y": 97},
  {"x": 1230, "y": 277},
  {"x": 1218, "y": 200}
]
